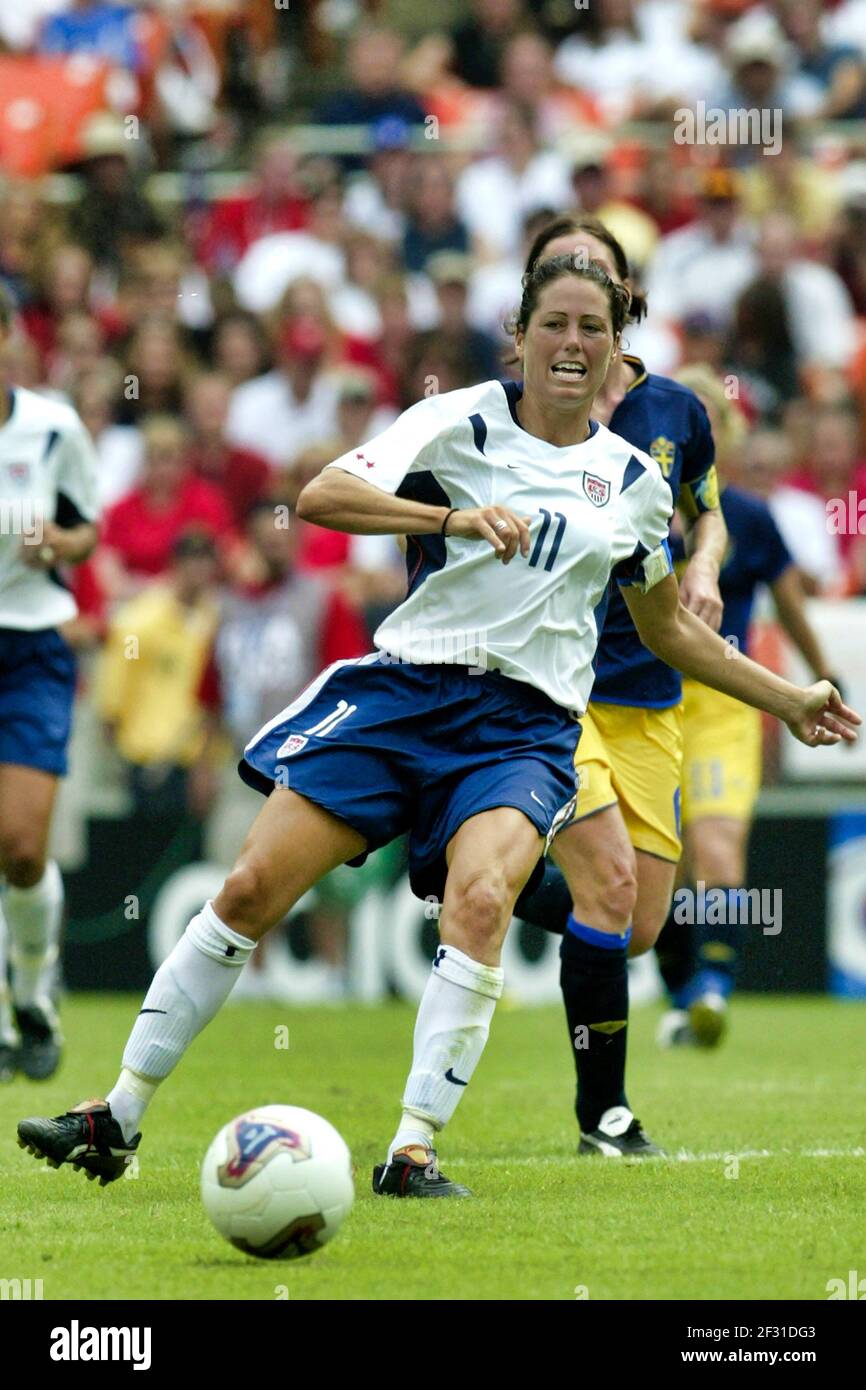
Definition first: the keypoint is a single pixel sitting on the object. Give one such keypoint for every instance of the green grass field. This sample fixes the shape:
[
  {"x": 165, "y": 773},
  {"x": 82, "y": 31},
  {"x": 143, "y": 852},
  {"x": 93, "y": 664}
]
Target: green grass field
[{"x": 786, "y": 1094}]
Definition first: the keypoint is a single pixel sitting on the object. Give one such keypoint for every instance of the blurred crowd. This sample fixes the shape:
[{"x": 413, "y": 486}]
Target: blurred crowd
[{"x": 230, "y": 304}]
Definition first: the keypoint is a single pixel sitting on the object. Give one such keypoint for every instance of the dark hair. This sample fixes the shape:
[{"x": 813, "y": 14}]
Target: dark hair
[
  {"x": 574, "y": 223},
  {"x": 546, "y": 272},
  {"x": 7, "y": 308}
]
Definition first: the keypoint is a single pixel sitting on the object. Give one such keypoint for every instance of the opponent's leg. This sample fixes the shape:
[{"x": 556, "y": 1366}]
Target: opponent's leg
[
  {"x": 8, "y": 1031},
  {"x": 717, "y": 851},
  {"x": 33, "y": 906},
  {"x": 596, "y": 858},
  {"x": 489, "y": 860},
  {"x": 291, "y": 845}
]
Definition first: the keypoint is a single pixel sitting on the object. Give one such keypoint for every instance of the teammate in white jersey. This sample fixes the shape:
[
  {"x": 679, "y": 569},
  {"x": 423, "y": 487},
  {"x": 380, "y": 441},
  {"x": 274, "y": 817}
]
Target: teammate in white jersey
[
  {"x": 48, "y": 475},
  {"x": 461, "y": 728}
]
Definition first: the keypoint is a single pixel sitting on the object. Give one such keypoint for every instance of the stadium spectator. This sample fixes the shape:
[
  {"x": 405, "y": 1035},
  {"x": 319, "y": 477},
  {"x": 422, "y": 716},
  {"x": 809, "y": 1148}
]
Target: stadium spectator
[
  {"x": 703, "y": 267},
  {"x": 377, "y": 196},
  {"x": 273, "y": 262},
  {"x": 836, "y": 472},
  {"x": 157, "y": 364},
  {"x": 150, "y": 674},
  {"x": 433, "y": 223},
  {"x": 838, "y": 69},
  {"x": 593, "y": 193},
  {"x": 113, "y": 214},
  {"x": 762, "y": 466},
  {"x": 374, "y": 89},
  {"x": 101, "y": 30},
  {"x": 243, "y": 477},
  {"x": 819, "y": 309},
  {"x": 25, "y": 237},
  {"x": 62, "y": 286},
  {"x": 140, "y": 530},
  {"x": 239, "y": 346},
  {"x": 275, "y": 202},
  {"x": 480, "y": 41},
  {"x": 518, "y": 179},
  {"x": 273, "y": 638},
  {"x": 479, "y": 352},
  {"x": 279, "y": 414},
  {"x": 118, "y": 447},
  {"x": 793, "y": 183},
  {"x": 528, "y": 79},
  {"x": 762, "y": 78},
  {"x": 848, "y": 235}
]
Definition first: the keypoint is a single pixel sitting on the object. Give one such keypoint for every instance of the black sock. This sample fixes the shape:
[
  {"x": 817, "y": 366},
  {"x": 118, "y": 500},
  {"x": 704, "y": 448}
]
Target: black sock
[
  {"x": 549, "y": 906},
  {"x": 594, "y": 979},
  {"x": 675, "y": 952},
  {"x": 718, "y": 943}
]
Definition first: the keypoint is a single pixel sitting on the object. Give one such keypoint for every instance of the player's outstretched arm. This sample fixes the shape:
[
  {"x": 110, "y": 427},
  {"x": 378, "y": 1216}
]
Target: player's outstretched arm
[
  {"x": 815, "y": 715},
  {"x": 343, "y": 502}
]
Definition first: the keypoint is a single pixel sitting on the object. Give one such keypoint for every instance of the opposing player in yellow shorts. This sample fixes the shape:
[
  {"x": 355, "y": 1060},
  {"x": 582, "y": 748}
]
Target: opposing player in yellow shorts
[
  {"x": 722, "y": 768},
  {"x": 626, "y": 826}
]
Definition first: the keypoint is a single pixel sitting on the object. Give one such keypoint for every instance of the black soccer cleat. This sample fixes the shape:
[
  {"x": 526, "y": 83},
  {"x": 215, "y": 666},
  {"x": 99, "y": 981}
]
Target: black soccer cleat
[
  {"x": 406, "y": 1176},
  {"x": 41, "y": 1042},
  {"x": 8, "y": 1062},
  {"x": 87, "y": 1136},
  {"x": 619, "y": 1135}
]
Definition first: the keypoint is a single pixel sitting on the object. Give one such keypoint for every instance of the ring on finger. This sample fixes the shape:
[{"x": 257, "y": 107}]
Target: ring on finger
[{"x": 500, "y": 525}]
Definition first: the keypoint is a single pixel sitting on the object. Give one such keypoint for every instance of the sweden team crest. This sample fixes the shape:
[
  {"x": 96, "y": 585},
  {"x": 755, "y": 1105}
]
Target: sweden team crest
[
  {"x": 664, "y": 451},
  {"x": 597, "y": 489}
]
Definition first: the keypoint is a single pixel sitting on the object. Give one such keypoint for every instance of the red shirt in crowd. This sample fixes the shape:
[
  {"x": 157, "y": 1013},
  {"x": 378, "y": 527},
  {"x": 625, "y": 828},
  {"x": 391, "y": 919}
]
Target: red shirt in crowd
[
  {"x": 143, "y": 536},
  {"x": 242, "y": 477},
  {"x": 853, "y": 499},
  {"x": 231, "y": 226}
]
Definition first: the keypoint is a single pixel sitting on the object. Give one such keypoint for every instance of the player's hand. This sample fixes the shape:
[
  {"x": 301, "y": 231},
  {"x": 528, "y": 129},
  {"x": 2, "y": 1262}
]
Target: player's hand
[
  {"x": 502, "y": 528},
  {"x": 699, "y": 592},
  {"x": 824, "y": 719},
  {"x": 51, "y": 550}
]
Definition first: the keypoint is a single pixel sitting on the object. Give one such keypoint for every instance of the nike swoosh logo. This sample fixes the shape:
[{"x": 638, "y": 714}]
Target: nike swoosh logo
[
  {"x": 538, "y": 799},
  {"x": 449, "y": 1076},
  {"x": 152, "y": 1011},
  {"x": 512, "y": 465}
]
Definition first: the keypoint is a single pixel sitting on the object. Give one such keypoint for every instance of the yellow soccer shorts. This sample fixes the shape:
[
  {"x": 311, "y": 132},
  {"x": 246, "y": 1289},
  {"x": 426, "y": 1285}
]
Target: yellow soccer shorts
[
  {"x": 722, "y": 755},
  {"x": 633, "y": 757}
]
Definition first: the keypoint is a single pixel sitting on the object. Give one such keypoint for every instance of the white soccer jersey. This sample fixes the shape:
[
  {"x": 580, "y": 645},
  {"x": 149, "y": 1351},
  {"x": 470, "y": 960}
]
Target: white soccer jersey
[
  {"x": 48, "y": 472},
  {"x": 597, "y": 508}
]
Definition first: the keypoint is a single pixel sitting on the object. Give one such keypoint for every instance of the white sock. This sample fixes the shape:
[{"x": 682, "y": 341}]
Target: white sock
[
  {"x": 450, "y": 1034},
  {"x": 187, "y": 991},
  {"x": 34, "y": 916},
  {"x": 8, "y": 1032}
]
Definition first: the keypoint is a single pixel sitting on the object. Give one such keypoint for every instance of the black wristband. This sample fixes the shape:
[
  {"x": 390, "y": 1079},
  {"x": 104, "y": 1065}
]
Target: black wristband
[{"x": 447, "y": 519}]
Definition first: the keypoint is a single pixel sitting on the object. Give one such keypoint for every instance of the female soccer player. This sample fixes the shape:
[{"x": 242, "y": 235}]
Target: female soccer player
[
  {"x": 722, "y": 751},
  {"x": 462, "y": 727},
  {"x": 48, "y": 506},
  {"x": 630, "y": 756}
]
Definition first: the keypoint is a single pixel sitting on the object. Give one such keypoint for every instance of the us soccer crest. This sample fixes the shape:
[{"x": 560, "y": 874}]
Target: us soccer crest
[
  {"x": 597, "y": 489},
  {"x": 664, "y": 451},
  {"x": 19, "y": 473}
]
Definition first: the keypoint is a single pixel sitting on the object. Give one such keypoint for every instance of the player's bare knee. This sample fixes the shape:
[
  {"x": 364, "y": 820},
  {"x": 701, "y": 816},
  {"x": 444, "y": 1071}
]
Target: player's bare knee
[
  {"x": 244, "y": 897},
  {"x": 480, "y": 909},
  {"x": 22, "y": 860}
]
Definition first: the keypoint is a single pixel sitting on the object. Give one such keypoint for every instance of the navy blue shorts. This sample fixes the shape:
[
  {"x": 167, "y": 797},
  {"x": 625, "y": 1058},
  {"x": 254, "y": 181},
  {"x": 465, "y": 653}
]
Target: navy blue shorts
[
  {"x": 393, "y": 748},
  {"x": 37, "y": 692}
]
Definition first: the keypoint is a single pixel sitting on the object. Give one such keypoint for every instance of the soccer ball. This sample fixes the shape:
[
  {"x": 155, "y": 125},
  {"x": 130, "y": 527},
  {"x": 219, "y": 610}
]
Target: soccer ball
[{"x": 277, "y": 1182}]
